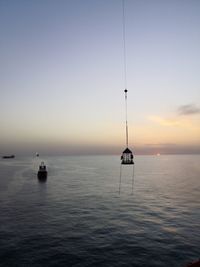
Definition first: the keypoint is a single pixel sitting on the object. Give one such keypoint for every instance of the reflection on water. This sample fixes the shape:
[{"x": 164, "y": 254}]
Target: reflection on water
[
  {"x": 77, "y": 217},
  {"x": 42, "y": 180}
]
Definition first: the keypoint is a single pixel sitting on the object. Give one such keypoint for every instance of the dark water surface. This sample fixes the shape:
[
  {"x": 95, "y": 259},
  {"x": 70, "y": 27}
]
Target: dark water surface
[{"x": 77, "y": 218}]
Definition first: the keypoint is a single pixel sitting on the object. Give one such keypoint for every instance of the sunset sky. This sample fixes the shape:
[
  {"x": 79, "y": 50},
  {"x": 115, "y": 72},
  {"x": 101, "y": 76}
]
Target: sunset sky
[{"x": 62, "y": 76}]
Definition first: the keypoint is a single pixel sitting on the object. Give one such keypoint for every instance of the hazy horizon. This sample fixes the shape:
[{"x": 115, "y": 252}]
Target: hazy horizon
[
  {"x": 90, "y": 151},
  {"x": 62, "y": 79}
]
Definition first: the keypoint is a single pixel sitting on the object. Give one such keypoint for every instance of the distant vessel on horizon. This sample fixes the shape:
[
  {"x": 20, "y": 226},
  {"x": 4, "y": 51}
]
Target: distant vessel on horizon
[{"x": 8, "y": 157}]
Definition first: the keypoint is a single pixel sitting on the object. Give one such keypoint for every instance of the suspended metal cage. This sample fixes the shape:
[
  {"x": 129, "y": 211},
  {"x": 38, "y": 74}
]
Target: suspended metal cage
[{"x": 127, "y": 157}]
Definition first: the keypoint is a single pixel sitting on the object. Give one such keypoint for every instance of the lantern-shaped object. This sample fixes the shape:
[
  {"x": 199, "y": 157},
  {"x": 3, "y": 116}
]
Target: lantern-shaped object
[{"x": 127, "y": 157}]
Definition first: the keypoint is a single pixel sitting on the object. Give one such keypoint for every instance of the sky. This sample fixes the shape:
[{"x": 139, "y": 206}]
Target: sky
[{"x": 62, "y": 76}]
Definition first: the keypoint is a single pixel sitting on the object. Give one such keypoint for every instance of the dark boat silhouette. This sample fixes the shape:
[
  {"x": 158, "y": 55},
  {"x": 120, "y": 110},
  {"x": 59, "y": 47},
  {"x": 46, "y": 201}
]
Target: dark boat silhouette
[
  {"x": 9, "y": 157},
  {"x": 42, "y": 172}
]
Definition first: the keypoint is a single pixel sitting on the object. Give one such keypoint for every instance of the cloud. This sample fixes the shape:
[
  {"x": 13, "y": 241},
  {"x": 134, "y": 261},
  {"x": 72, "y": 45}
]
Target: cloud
[
  {"x": 189, "y": 109},
  {"x": 161, "y": 145},
  {"x": 165, "y": 122}
]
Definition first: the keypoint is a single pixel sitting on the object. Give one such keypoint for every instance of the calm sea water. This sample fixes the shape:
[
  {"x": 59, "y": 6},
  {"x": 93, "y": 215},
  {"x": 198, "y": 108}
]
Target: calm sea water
[{"x": 77, "y": 217}]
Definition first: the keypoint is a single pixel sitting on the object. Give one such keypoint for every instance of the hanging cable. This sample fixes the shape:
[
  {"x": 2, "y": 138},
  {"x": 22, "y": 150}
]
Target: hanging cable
[
  {"x": 124, "y": 43},
  {"x": 127, "y": 155},
  {"x": 126, "y": 117},
  {"x": 120, "y": 179},
  {"x": 125, "y": 68}
]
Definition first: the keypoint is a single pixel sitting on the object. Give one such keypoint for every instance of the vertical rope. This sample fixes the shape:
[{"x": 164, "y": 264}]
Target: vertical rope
[
  {"x": 120, "y": 179},
  {"x": 125, "y": 68},
  {"x": 126, "y": 117},
  {"x": 124, "y": 44},
  {"x": 133, "y": 178}
]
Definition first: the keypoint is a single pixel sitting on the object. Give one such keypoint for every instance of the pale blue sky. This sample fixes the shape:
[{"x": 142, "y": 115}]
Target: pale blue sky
[{"x": 62, "y": 80}]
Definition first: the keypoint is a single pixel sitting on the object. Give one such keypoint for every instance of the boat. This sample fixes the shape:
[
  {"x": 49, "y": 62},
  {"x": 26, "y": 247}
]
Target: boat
[
  {"x": 8, "y": 157},
  {"x": 42, "y": 172}
]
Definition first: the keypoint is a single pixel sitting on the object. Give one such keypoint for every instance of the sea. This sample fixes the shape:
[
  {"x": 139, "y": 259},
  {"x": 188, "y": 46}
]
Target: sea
[{"x": 82, "y": 215}]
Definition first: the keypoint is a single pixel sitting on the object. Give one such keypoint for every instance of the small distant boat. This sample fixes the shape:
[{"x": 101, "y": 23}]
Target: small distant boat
[
  {"x": 8, "y": 157},
  {"x": 37, "y": 154},
  {"x": 42, "y": 172}
]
